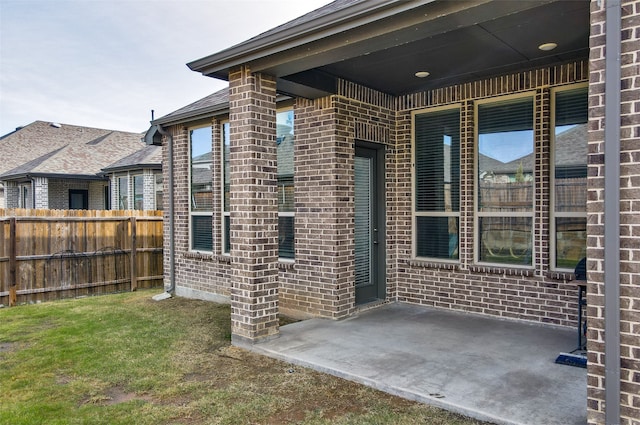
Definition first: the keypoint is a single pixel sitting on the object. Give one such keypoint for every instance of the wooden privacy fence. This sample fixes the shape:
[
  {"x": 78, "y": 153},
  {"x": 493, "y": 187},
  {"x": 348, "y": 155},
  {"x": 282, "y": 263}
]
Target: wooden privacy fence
[{"x": 53, "y": 254}]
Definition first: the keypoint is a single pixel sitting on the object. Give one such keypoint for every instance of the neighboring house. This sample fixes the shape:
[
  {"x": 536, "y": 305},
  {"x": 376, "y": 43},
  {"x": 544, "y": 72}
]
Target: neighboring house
[
  {"x": 57, "y": 166},
  {"x": 397, "y": 112},
  {"x": 136, "y": 180}
]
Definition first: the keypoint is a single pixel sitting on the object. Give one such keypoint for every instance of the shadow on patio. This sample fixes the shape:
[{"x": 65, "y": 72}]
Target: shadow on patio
[{"x": 491, "y": 369}]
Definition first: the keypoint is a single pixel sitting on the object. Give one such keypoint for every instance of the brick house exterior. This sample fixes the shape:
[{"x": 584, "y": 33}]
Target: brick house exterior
[
  {"x": 338, "y": 121},
  {"x": 58, "y": 166},
  {"x": 136, "y": 180}
]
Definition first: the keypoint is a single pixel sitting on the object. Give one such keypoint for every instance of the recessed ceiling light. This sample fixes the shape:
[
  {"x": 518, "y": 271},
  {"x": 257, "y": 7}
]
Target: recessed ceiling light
[
  {"x": 422, "y": 74},
  {"x": 547, "y": 46}
]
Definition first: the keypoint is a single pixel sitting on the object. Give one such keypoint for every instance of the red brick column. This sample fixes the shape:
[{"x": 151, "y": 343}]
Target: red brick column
[{"x": 254, "y": 205}]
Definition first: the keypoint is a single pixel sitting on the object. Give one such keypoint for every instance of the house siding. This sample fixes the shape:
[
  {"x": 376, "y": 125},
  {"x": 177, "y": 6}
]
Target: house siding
[{"x": 629, "y": 216}]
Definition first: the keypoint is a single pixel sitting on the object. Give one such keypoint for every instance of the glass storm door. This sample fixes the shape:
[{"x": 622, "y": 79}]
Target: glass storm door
[{"x": 369, "y": 232}]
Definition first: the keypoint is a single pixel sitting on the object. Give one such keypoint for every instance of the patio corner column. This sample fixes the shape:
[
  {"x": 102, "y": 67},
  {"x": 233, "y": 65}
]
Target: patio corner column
[{"x": 254, "y": 206}]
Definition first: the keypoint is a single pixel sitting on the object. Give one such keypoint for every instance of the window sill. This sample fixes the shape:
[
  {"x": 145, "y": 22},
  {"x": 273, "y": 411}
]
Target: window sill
[
  {"x": 198, "y": 255},
  {"x": 284, "y": 264},
  {"x": 431, "y": 264},
  {"x": 224, "y": 258},
  {"x": 509, "y": 271},
  {"x": 566, "y": 276}
]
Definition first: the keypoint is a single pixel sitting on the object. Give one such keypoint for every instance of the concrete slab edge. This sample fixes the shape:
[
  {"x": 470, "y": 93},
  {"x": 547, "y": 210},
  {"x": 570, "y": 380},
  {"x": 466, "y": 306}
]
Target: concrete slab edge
[{"x": 389, "y": 389}]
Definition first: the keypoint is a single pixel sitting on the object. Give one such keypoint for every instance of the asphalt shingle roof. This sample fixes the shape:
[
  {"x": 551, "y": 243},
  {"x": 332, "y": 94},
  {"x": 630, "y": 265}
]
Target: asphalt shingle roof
[
  {"x": 43, "y": 148},
  {"x": 150, "y": 156},
  {"x": 212, "y": 102}
]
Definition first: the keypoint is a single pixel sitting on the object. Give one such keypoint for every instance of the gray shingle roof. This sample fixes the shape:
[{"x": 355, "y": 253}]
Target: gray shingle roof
[
  {"x": 213, "y": 102},
  {"x": 148, "y": 157},
  {"x": 44, "y": 149}
]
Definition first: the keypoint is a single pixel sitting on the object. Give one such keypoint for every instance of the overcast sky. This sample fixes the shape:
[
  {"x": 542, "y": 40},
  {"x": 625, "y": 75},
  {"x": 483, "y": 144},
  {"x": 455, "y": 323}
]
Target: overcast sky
[{"x": 107, "y": 63}]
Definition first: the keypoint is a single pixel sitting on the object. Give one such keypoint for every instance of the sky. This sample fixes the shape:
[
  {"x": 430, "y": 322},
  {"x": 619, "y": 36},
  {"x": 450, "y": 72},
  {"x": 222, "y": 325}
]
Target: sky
[{"x": 108, "y": 63}]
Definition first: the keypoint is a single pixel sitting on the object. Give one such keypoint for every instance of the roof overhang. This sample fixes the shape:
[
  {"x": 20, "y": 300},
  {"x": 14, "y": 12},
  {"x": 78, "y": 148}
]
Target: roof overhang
[
  {"x": 28, "y": 176},
  {"x": 382, "y": 43},
  {"x": 137, "y": 167}
]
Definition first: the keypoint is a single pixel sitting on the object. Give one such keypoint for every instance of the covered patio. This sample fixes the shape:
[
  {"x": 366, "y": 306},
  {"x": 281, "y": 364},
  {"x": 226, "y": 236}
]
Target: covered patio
[{"x": 490, "y": 369}]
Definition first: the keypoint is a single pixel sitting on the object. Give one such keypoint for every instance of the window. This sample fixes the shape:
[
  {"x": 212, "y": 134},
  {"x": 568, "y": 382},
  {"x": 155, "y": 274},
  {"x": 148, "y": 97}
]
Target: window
[
  {"x": 123, "y": 193},
  {"x": 436, "y": 180},
  {"x": 78, "y": 199},
  {"x": 569, "y": 199},
  {"x": 284, "y": 140},
  {"x": 505, "y": 163},
  {"x": 158, "y": 191},
  {"x": 107, "y": 198},
  {"x": 201, "y": 208},
  {"x": 24, "y": 200},
  {"x": 226, "y": 214},
  {"x": 138, "y": 192}
]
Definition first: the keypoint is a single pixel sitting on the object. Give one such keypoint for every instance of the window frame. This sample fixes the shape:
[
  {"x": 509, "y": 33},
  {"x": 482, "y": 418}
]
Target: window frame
[
  {"x": 190, "y": 200},
  {"x": 288, "y": 213},
  {"x": 477, "y": 215},
  {"x": 415, "y": 214},
  {"x": 120, "y": 178},
  {"x": 133, "y": 178},
  {"x": 225, "y": 238},
  {"x": 158, "y": 188},
  {"x": 553, "y": 214}
]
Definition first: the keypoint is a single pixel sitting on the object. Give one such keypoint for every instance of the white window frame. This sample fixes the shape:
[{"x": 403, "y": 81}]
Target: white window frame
[
  {"x": 415, "y": 214},
  {"x": 288, "y": 213},
  {"x": 118, "y": 198},
  {"x": 477, "y": 215},
  {"x": 552, "y": 210},
  {"x": 224, "y": 236},
  {"x": 132, "y": 178},
  {"x": 158, "y": 187},
  {"x": 197, "y": 213}
]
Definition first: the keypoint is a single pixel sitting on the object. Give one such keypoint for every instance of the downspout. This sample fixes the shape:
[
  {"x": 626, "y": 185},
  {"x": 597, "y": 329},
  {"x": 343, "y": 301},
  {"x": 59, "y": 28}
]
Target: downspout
[
  {"x": 612, "y": 213},
  {"x": 172, "y": 248}
]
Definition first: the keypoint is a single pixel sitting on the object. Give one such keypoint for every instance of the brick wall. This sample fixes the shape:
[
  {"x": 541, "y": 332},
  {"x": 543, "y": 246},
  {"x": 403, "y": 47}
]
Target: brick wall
[
  {"x": 254, "y": 204},
  {"x": 198, "y": 275},
  {"x": 96, "y": 195},
  {"x": 531, "y": 294},
  {"x": 11, "y": 194},
  {"x": 59, "y": 193},
  {"x": 320, "y": 281},
  {"x": 629, "y": 216},
  {"x": 42, "y": 192}
]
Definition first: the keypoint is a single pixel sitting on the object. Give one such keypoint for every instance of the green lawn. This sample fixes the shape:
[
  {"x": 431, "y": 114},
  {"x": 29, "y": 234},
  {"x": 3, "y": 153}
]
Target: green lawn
[{"x": 125, "y": 359}]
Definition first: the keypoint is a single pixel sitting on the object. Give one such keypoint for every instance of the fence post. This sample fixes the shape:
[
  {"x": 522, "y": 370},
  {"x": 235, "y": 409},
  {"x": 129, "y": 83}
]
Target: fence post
[
  {"x": 134, "y": 248},
  {"x": 13, "y": 263}
]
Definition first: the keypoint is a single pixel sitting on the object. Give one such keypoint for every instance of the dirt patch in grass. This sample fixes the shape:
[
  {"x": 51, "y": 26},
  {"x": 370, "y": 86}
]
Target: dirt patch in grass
[{"x": 6, "y": 346}]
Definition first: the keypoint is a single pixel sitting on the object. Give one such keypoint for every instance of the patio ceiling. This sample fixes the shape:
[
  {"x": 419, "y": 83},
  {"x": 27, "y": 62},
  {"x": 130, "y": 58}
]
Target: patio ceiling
[{"x": 382, "y": 44}]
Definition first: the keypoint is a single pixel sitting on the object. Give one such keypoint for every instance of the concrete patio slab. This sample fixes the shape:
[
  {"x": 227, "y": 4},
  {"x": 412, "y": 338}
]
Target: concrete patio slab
[{"x": 490, "y": 369}]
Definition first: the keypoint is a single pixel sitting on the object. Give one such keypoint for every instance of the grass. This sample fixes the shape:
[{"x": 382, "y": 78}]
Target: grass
[{"x": 125, "y": 359}]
